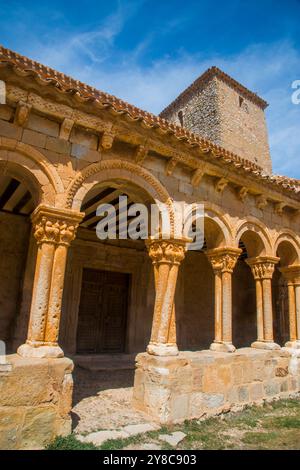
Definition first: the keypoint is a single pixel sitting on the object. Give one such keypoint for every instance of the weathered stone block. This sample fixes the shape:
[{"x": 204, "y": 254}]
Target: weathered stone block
[
  {"x": 43, "y": 125},
  {"x": 243, "y": 393},
  {"x": 58, "y": 145},
  {"x": 10, "y": 130},
  {"x": 11, "y": 421},
  {"x": 82, "y": 152},
  {"x": 36, "y": 399},
  {"x": 256, "y": 391},
  {"x": 34, "y": 138},
  {"x": 272, "y": 388},
  {"x": 38, "y": 428},
  {"x": 213, "y": 400},
  {"x": 6, "y": 112},
  {"x": 197, "y": 405}
]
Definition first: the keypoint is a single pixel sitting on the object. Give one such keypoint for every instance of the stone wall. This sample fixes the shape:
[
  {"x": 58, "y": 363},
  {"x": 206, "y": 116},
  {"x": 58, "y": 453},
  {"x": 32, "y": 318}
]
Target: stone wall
[
  {"x": 198, "y": 384},
  {"x": 35, "y": 401},
  {"x": 243, "y": 127},
  {"x": 217, "y": 112}
]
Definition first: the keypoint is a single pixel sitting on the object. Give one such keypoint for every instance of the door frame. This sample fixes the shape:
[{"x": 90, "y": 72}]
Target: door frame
[{"x": 129, "y": 283}]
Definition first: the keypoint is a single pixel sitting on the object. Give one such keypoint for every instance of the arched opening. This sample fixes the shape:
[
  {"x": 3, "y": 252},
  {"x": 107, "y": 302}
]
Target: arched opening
[
  {"x": 196, "y": 292},
  {"x": 109, "y": 294},
  {"x": 287, "y": 253},
  {"x": 19, "y": 195},
  {"x": 244, "y": 318}
]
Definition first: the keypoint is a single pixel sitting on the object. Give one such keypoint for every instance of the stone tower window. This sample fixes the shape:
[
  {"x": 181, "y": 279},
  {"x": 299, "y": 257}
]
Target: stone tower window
[
  {"x": 241, "y": 101},
  {"x": 180, "y": 117}
]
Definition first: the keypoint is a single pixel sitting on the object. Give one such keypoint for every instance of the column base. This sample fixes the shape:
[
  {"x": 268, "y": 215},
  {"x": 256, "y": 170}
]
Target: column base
[
  {"x": 222, "y": 347},
  {"x": 160, "y": 349},
  {"x": 265, "y": 345},
  {"x": 293, "y": 344},
  {"x": 26, "y": 350}
]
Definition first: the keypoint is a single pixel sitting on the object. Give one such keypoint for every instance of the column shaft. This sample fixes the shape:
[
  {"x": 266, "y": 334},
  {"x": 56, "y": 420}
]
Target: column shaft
[
  {"x": 259, "y": 310},
  {"x": 292, "y": 275},
  {"x": 297, "y": 299},
  {"x": 223, "y": 261},
  {"x": 218, "y": 308},
  {"x": 56, "y": 293},
  {"x": 262, "y": 268},
  {"x": 166, "y": 257},
  {"x": 268, "y": 310},
  {"x": 227, "y": 307},
  {"x": 54, "y": 229},
  {"x": 292, "y": 312},
  {"x": 41, "y": 289}
]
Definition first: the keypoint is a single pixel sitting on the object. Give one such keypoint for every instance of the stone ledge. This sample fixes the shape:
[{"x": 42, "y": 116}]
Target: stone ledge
[
  {"x": 194, "y": 384},
  {"x": 35, "y": 401}
]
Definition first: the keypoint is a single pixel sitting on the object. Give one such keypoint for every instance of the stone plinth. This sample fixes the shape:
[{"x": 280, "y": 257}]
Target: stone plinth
[
  {"x": 35, "y": 401},
  {"x": 196, "y": 384}
]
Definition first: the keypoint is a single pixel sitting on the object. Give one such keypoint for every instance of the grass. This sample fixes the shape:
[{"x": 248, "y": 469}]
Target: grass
[{"x": 271, "y": 426}]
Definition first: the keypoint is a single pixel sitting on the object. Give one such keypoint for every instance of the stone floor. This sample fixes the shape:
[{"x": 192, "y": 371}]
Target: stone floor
[{"x": 103, "y": 387}]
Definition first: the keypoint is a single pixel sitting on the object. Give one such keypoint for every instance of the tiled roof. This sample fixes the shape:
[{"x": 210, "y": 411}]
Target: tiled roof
[
  {"x": 49, "y": 77},
  {"x": 205, "y": 78}
]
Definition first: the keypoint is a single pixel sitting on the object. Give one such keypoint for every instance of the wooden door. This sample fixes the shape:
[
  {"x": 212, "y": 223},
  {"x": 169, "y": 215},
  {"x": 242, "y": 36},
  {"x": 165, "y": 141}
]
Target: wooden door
[{"x": 102, "y": 312}]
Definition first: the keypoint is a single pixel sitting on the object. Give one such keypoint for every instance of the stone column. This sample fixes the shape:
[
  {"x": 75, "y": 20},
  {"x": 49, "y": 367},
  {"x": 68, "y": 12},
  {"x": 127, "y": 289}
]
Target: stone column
[
  {"x": 292, "y": 275},
  {"x": 223, "y": 261},
  {"x": 262, "y": 268},
  {"x": 166, "y": 257},
  {"x": 54, "y": 229}
]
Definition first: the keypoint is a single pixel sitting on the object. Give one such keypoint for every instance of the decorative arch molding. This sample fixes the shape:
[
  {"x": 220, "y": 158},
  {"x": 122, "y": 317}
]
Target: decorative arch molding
[
  {"x": 287, "y": 235},
  {"x": 215, "y": 215},
  {"x": 23, "y": 155},
  {"x": 253, "y": 225},
  {"x": 116, "y": 169}
]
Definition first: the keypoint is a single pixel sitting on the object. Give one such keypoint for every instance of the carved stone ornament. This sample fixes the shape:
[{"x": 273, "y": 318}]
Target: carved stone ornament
[
  {"x": 291, "y": 273},
  {"x": 107, "y": 139},
  {"x": 55, "y": 226},
  {"x": 141, "y": 153},
  {"x": 167, "y": 251},
  {"x": 223, "y": 259},
  {"x": 262, "y": 267},
  {"x": 66, "y": 128},
  {"x": 22, "y": 113}
]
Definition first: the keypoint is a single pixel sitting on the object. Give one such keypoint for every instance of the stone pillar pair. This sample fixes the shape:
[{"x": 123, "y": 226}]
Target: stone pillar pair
[
  {"x": 262, "y": 268},
  {"x": 292, "y": 275},
  {"x": 223, "y": 261},
  {"x": 54, "y": 230},
  {"x": 166, "y": 256}
]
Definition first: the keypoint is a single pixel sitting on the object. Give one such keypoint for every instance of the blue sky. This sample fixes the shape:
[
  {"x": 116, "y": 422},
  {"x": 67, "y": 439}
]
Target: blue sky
[{"x": 148, "y": 51}]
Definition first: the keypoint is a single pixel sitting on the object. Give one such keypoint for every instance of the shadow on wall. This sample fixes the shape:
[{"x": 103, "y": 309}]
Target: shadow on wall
[
  {"x": 244, "y": 329},
  {"x": 195, "y": 303}
]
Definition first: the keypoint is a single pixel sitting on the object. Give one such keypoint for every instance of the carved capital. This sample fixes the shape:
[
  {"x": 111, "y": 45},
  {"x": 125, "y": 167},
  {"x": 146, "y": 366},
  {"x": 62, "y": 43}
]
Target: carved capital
[
  {"x": 223, "y": 259},
  {"x": 291, "y": 273},
  {"x": 167, "y": 251},
  {"x": 262, "y": 267},
  {"x": 55, "y": 226}
]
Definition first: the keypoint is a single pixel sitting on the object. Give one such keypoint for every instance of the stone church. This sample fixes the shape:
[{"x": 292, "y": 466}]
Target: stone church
[{"x": 211, "y": 328}]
